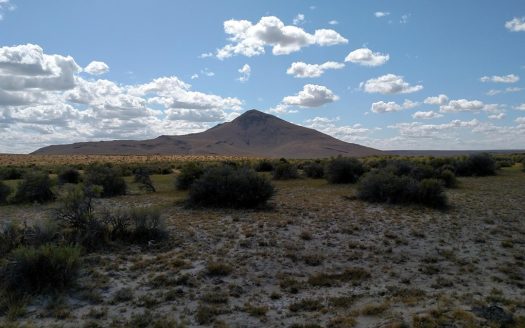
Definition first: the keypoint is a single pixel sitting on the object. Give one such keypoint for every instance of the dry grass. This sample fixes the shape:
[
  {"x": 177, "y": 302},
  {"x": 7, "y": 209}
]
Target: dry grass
[{"x": 360, "y": 265}]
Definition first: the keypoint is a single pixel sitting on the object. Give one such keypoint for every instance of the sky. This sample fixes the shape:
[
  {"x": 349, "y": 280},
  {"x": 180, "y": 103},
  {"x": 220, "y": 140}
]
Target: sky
[{"x": 389, "y": 74}]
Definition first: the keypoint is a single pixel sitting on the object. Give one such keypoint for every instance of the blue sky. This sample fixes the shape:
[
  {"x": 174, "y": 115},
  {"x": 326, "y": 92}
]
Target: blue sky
[{"x": 387, "y": 74}]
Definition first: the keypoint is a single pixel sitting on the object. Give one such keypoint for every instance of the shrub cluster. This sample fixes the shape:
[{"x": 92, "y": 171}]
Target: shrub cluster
[
  {"x": 224, "y": 186},
  {"x": 31, "y": 270},
  {"x": 5, "y": 191},
  {"x": 285, "y": 171},
  {"x": 480, "y": 165},
  {"x": 82, "y": 226},
  {"x": 188, "y": 174},
  {"x": 11, "y": 173},
  {"x": 313, "y": 170},
  {"x": 35, "y": 187},
  {"x": 385, "y": 186},
  {"x": 107, "y": 177},
  {"x": 264, "y": 165},
  {"x": 142, "y": 177},
  {"x": 68, "y": 175},
  {"x": 344, "y": 170}
]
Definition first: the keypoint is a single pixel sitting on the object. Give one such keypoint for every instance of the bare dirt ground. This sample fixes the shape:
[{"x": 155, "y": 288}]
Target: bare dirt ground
[{"x": 316, "y": 258}]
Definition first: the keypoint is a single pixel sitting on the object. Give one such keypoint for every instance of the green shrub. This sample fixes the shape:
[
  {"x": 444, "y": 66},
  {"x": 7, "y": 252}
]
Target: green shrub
[
  {"x": 35, "y": 187},
  {"x": 47, "y": 268},
  {"x": 13, "y": 235},
  {"x": 188, "y": 174},
  {"x": 264, "y": 165},
  {"x": 228, "y": 187},
  {"x": 11, "y": 173},
  {"x": 344, "y": 170},
  {"x": 142, "y": 177},
  {"x": 482, "y": 164},
  {"x": 139, "y": 225},
  {"x": 76, "y": 217},
  {"x": 68, "y": 175},
  {"x": 313, "y": 170},
  {"x": 5, "y": 191},
  {"x": 385, "y": 187},
  {"x": 448, "y": 178},
  {"x": 285, "y": 171},
  {"x": 431, "y": 193},
  {"x": 107, "y": 177}
]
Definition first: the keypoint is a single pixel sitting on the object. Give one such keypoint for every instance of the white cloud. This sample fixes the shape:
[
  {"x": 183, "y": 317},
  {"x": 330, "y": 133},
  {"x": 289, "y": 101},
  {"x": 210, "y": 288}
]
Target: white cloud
[
  {"x": 380, "y": 14},
  {"x": 250, "y": 39},
  {"x": 206, "y": 55},
  {"x": 5, "y": 5},
  {"x": 44, "y": 100},
  {"x": 464, "y": 105},
  {"x": 312, "y": 95},
  {"x": 497, "y": 116},
  {"x": 96, "y": 68},
  {"x": 516, "y": 24},
  {"x": 299, "y": 19},
  {"x": 333, "y": 22},
  {"x": 438, "y": 100},
  {"x": 404, "y": 18},
  {"x": 245, "y": 71},
  {"x": 426, "y": 115},
  {"x": 520, "y": 107},
  {"x": 207, "y": 72},
  {"x": 389, "y": 84},
  {"x": 303, "y": 70},
  {"x": 26, "y": 67},
  {"x": 349, "y": 133},
  {"x": 366, "y": 57},
  {"x": 511, "y": 78},
  {"x": 520, "y": 120},
  {"x": 494, "y": 92},
  {"x": 194, "y": 76},
  {"x": 409, "y": 104},
  {"x": 387, "y": 107}
]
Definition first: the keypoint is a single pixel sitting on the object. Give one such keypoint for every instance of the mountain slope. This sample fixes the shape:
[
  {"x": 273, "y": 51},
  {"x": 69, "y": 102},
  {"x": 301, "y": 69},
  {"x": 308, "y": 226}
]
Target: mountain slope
[{"x": 252, "y": 134}]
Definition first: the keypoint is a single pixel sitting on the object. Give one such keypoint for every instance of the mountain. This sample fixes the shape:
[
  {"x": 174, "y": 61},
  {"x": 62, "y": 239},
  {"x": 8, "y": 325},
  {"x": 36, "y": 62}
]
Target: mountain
[{"x": 252, "y": 134}]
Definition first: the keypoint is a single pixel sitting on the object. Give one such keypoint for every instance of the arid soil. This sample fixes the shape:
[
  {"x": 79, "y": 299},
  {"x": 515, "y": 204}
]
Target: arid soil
[{"x": 316, "y": 257}]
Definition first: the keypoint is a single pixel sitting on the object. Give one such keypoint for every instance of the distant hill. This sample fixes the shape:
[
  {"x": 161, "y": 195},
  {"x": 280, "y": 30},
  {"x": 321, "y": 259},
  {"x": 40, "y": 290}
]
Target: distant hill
[{"x": 252, "y": 134}]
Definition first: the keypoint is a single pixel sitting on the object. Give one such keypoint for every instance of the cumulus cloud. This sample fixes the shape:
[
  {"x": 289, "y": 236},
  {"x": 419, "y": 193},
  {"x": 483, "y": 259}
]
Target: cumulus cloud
[
  {"x": 437, "y": 100},
  {"x": 333, "y": 22},
  {"x": 245, "y": 71},
  {"x": 26, "y": 67},
  {"x": 349, "y": 133},
  {"x": 511, "y": 78},
  {"x": 464, "y": 105},
  {"x": 497, "y": 116},
  {"x": 5, "y": 5},
  {"x": 299, "y": 19},
  {"x": 494, "y": 92},
  {"x": 389, "y": 84},
  {"x": 312, "y": 95},
  {"x": 520, "y": 107},
  {"x": 380, "y": 14},
  {"x": 367, "y": 57},
  {"x": 303, "y": 70},
  {"x": 517, "y": 24},
  {"x": 44, "y": 100},
  {"x": 250, "y": 39},
  {"x": 96, "y": 68},
  {"x": 520, "y": 120},
  {"x": 388, "y": 107},
  {"x": 426, "y": 115}
]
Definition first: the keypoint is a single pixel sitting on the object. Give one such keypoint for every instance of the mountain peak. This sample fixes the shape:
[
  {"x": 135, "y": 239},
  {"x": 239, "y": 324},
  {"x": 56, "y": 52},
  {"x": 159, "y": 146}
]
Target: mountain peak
[{"x": 252, "y": 117}]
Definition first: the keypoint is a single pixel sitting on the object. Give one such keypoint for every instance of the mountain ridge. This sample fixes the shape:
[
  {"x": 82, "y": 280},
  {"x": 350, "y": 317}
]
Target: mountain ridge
[{"x": 253, "y": 133}]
